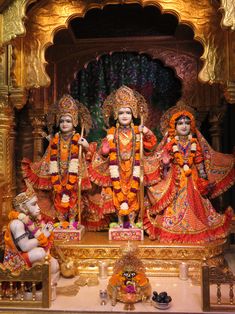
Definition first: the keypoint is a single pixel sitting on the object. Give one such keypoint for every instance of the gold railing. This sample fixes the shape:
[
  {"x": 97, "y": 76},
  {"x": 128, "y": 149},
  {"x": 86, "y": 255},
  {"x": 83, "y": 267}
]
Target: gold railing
[
  {"x": 20, "y": 289},
  {"x": 217, "y": 289}
]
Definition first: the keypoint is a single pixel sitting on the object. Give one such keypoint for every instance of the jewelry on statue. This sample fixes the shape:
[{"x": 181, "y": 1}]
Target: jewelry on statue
[
  {"x": 184, "y": 156},
  {"x": 115, "y": 160}
]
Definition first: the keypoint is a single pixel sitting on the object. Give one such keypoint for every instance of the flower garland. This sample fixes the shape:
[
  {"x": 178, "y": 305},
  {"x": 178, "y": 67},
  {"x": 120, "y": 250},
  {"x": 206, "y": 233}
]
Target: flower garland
[
  {"x": 124, "y": 200},
  {"x": 183, "y": 161},
  {"x": 34, "y": 227},
  {"x": 72, "y": 166},
  {"x": 128, "y": 286}
]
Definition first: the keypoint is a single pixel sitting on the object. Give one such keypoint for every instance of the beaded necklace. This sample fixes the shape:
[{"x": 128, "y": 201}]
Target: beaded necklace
[
  {"x": 132, "y": 154},
  {"x": 184, "y": 160},
  {"x": 59, "y": 157}
]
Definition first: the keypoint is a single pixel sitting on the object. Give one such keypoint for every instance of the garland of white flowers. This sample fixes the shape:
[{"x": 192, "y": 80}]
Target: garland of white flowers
[{"x": 115, "y": 172}]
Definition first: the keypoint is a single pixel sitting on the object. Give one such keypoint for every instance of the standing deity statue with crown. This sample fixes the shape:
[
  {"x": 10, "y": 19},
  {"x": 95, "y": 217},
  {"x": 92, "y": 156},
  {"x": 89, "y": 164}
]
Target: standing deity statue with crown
[
  {"x": 192, "y": 173},
  {"x": 117, "y": 166},
  {"x": 63, "y": 168}
]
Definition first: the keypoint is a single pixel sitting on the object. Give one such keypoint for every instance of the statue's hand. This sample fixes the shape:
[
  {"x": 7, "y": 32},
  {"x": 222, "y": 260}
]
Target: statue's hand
[
  {"x": 47, "y": 230},
  {"x": 143, "y": 129},
  {"x": 165, "y": 156},
  {"x": 82, "y": 141},
  {"x": 105, "y": 147},
  {"x": 45, "y": 135}
]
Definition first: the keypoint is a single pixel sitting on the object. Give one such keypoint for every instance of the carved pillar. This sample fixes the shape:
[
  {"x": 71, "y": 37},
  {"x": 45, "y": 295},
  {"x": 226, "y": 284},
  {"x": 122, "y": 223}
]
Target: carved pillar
[
  {"x": 10, "y": 97},
  {"x": 215, "y": 119},
  {"x": 24, "y": 143},
  {"x": 230, "y": 92},
  {"x": 7, "y": 162},
  {"x": 229, "y": 84},
  {"x": 38, "y": 102},
  {"x": 7, "y": 136},
  {"x": 38, "y": 126}
]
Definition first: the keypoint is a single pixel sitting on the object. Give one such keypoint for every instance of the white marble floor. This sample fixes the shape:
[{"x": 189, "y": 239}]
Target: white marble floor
[{"x": 186, "y": 297}]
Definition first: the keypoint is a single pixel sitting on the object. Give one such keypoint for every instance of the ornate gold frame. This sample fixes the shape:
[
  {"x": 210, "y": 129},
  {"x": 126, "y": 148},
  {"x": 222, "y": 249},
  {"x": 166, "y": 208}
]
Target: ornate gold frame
[{"x": 159, "y": 259}]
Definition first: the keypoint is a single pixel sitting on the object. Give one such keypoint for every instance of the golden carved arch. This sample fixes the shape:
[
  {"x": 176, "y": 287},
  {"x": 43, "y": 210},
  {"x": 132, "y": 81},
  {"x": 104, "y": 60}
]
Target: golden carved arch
[{"x": 43, "y": 21}]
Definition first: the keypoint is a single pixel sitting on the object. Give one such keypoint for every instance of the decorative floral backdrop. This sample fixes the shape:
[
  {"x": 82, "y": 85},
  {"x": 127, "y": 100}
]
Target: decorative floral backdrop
[{"x": 158, "y": 84}]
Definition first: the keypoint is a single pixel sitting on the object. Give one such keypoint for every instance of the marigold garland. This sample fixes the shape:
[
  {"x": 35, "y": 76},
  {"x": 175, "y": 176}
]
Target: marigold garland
[
  {"x": 119, "y": 280},
  {"x": 124, "y": 200},
  {"x": 173, "y": 143},
  {"x": 34, "y": 227},
  {"x": 72, "y": 165}
]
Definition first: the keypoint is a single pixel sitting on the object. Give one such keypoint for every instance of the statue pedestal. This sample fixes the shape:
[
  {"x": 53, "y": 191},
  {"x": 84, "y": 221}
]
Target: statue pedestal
[
  {"x": 69, "y": 234},
  {"x": 159, "y": 259},
  {"x": 123, "y": 234}
]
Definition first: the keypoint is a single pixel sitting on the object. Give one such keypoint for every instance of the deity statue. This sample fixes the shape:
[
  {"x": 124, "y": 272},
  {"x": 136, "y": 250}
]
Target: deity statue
[
  {"x": 192, "y": 172},
  {"x": 63, "y": 168},
  {"x": 28, "y": 238},
  {"x": 116, "y": 167},
  {"x": 129, "y": 283}
]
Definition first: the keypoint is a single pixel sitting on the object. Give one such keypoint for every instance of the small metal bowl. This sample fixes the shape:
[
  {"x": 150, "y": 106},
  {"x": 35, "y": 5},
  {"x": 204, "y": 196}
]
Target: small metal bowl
[{"x": 162, "y": 306}]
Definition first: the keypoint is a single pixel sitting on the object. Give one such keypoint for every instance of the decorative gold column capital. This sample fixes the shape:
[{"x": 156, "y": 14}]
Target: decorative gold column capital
[
  {"x": 229, "y": 92},
  {"x": 5, "y": 107},
  {"x": 13, "y": 16},
  {"x": 18, "y": 97},
  {"x": 38, "y": 123}
]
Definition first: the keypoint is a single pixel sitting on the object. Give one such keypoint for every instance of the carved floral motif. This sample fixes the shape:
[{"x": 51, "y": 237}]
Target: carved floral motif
[{"x": 228, "y": 8}]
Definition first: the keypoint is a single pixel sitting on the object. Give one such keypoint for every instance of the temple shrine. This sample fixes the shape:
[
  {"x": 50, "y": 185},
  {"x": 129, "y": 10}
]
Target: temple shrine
[{"x": 95, "y": 97}]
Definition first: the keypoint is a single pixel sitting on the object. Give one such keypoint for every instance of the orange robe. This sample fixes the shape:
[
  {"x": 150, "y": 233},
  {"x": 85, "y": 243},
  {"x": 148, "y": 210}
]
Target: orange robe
[
  {"x": 179, "y": 211},
  {"x": 14, "y": 259},
  {"x": 38, "y": 175},
  {"x": 126, "y": 144}
]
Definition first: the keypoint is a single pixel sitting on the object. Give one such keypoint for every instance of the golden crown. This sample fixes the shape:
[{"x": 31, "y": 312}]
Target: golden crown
[
  {"x": 124, "y": 97},
  {"x": 67, "y": 106},
  {"x": 24, "y": 196}
]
